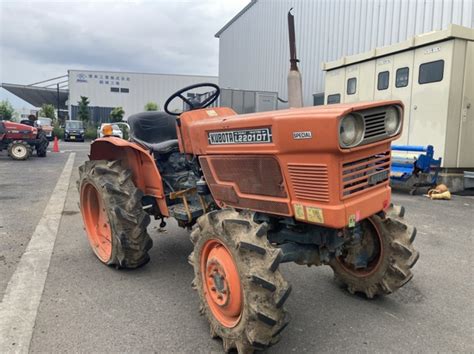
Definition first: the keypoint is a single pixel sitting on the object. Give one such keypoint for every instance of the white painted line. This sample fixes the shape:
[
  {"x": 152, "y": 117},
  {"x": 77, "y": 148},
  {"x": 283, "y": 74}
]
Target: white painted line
[{"x": 22, "y": 297}]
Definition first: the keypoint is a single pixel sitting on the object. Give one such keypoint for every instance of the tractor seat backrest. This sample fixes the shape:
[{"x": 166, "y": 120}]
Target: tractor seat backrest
[{"x": 155, "y": 130}]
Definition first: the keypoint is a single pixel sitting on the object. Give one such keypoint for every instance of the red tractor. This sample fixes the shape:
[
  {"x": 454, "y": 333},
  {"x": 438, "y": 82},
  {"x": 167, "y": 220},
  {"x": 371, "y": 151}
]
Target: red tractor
[
  {"x": 308, "y": 185},
  {"x": 21, "y": 139}
]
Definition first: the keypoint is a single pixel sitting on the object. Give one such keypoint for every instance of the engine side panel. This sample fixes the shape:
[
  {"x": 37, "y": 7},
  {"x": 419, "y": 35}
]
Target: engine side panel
[{"x": 233, "y": 183}]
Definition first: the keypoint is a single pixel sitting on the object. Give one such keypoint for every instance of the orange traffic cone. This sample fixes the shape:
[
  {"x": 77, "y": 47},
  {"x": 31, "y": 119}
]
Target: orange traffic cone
[{"x": 56, "y": 144}]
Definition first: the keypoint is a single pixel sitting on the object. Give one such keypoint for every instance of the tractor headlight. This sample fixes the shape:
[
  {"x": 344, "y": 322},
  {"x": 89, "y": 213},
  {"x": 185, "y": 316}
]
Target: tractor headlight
[
  {"x": 392, "y": 120},
  {"x": 351, "y": 130}
]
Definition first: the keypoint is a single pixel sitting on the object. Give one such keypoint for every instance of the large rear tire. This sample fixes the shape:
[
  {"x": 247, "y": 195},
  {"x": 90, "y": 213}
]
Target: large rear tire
[
  {"x": 113, "y": 216},
  {"x": 241, "y": 290},
  {"x": 19, "y": 150},
  {"x": 42, "y": 147},
  {"x": 388, "y": 244}
]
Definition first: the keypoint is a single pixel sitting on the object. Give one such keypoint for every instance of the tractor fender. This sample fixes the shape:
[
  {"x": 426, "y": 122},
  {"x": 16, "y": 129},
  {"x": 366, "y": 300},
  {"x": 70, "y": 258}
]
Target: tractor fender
[{"x": 140, "y": 161}]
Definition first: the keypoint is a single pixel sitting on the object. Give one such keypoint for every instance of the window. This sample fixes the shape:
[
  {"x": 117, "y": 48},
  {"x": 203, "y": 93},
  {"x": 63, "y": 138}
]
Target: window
[
  {"x": 383, "y": 80},
  {"x": 126, "y": 90},
  {"x": 431, "y": 72},
  {"x": 318, "y": 99},
  {"x": 114, "y": 89},
  {"x": 334, "y": 98},
  {"x": 401, "y": 78},
  {"x": 351, "y": 86}
]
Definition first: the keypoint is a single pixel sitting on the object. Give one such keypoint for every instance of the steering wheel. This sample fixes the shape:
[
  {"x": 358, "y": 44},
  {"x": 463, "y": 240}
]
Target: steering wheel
[{"x": 193, "y": 103}]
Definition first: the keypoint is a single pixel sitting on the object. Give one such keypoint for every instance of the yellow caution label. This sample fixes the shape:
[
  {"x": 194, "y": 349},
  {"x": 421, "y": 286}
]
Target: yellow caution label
[
  {"x": 352, "y": 220},
  {"x": 315, "y": 215},
  {"x": 299, "y": 211},
  {"x": 211, "y": 113}
]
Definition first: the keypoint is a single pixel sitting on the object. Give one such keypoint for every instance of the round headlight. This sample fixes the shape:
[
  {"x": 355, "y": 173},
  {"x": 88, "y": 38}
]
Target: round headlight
[
  {"x": 351, "y": 130},
  {"x": 392, "y": 120}
]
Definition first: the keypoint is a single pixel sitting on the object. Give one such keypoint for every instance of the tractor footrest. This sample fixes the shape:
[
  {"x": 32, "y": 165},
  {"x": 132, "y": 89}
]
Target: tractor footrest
[{"x": 178, "y": 211}]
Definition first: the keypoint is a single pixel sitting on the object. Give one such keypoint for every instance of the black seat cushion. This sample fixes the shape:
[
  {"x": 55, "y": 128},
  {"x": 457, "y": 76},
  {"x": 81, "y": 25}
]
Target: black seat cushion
[{"x": 154, "y": 130}]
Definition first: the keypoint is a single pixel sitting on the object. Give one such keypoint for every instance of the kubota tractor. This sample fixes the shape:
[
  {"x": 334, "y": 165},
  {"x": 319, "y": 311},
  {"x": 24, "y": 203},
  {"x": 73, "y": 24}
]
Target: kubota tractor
[
  {"x": 307, "y": 185},
  {"x": 21, "y": 139}
]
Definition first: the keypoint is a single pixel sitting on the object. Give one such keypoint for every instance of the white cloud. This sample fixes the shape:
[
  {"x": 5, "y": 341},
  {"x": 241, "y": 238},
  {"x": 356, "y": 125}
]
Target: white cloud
[{"x": 40, "y": 40}]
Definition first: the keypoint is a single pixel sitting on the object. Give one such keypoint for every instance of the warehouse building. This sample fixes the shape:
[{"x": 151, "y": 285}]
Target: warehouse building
[
  {"x": 105, "y": 90},
  {"x": 131, "y": 91},
  {"x": 254, "y": 50}
]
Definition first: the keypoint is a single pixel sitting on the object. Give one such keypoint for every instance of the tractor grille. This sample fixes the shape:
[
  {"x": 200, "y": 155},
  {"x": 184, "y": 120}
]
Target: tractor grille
[
  {"x": 310, "y": 182},
  {"x": 374, "y": 125},
  {"x": 365, "y": 173}
]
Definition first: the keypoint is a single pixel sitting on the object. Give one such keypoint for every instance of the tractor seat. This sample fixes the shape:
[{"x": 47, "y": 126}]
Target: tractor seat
[{"x": 154, "y": 130}]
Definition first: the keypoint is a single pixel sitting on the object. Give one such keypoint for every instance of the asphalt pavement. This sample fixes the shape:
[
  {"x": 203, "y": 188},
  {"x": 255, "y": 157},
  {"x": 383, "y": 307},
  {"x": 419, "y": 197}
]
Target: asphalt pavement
[{"x": 88, "y": 307}]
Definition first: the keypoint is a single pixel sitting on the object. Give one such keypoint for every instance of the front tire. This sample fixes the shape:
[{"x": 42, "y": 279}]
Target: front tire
[
  {"x": 19, "y": 150},
  {"x": 388, "y": 244},
  {"x": 240, "y": 288},
  {"x": 113, "y": 216}
]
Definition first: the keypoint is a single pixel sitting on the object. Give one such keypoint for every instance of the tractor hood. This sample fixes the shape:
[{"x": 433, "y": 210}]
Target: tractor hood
[{"x": 18, "y": 127}]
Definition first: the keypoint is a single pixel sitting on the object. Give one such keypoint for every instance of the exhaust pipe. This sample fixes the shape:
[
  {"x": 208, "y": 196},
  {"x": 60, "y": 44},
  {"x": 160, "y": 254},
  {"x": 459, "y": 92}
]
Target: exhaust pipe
[{"x": 295, "y": 83}]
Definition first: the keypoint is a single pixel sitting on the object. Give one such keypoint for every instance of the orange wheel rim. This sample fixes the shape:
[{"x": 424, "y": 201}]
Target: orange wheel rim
[
  {"x": 96, "y": 222},
  {"x": 375, "y": 261},
  {"x": 221, "y": 283}
]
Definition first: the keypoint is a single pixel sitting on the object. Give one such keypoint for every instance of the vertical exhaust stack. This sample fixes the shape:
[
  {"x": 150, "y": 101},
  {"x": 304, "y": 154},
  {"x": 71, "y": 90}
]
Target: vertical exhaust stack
[{"x": 295, "y": 84}]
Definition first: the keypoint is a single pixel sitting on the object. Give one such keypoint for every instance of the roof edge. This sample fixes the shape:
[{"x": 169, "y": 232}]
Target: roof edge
[
  {"x": 235, "y": 18},
  {"x": 139, "y": 73},
  {"x": 6, "y": 85},
  {"x": 452, "y": 31}
]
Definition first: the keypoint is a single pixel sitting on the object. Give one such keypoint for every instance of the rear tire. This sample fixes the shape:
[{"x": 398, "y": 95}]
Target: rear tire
[
  {"x": 19, "y": 150},
  {"x": 397, "y": 256},
  {"x": 42, "y": 147},
  {"x": 244, "y": 302},
  {"x": 113, "y": 216}
]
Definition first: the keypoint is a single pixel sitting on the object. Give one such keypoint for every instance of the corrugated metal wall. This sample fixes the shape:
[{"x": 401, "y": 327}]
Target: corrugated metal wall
[{"x": 254, "y": 54}]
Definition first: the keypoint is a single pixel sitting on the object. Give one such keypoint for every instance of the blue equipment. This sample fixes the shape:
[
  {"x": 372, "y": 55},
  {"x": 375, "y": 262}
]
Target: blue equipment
[{"x": 404, "y": 168}]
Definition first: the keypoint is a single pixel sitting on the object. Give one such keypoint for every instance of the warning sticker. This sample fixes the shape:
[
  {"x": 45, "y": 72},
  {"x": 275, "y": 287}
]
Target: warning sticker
[
  {"x": 315, "y": 215},
  {"x": 211, "y": 113},
  {"x": 299, "y": 211},
  {"x": 352, "y": 220}
]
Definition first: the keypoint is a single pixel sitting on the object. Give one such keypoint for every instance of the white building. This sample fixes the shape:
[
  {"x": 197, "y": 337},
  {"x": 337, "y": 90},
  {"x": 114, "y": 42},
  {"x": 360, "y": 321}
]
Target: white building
[
  {"x": 254, "y": 50},
  {"x": 106, "y": 90},
  {"x": 131, "y": 91}
]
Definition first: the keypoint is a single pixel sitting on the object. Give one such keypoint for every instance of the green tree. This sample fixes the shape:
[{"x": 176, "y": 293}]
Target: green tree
[
  {"x": 152, "y": 106},
  {"x": 83, "y": 111},
  {"x": 48, "y": 111},
  {"x": 6, "y": 110},
  {"x": 116, "y": 115}
]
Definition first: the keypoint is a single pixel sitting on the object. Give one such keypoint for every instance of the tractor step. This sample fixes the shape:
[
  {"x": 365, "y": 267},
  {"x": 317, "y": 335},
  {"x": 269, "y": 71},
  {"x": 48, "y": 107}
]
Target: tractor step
[{"x": 178, "y": 211}]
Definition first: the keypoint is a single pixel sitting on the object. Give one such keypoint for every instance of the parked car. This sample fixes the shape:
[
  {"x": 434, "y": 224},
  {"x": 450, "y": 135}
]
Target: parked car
[
  {"x": 74, "y": 130},
  {"x": 116, "y": 129},
  {"x": 46, "y": 125}
]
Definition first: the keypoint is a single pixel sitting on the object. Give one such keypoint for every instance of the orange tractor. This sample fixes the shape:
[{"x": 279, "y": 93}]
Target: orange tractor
[{"x": 307, "y": 185}]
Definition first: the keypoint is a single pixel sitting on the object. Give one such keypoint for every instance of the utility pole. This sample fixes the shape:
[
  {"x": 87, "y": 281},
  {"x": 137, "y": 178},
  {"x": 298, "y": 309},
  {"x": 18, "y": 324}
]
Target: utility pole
[{"x": 57, "y": 93}]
